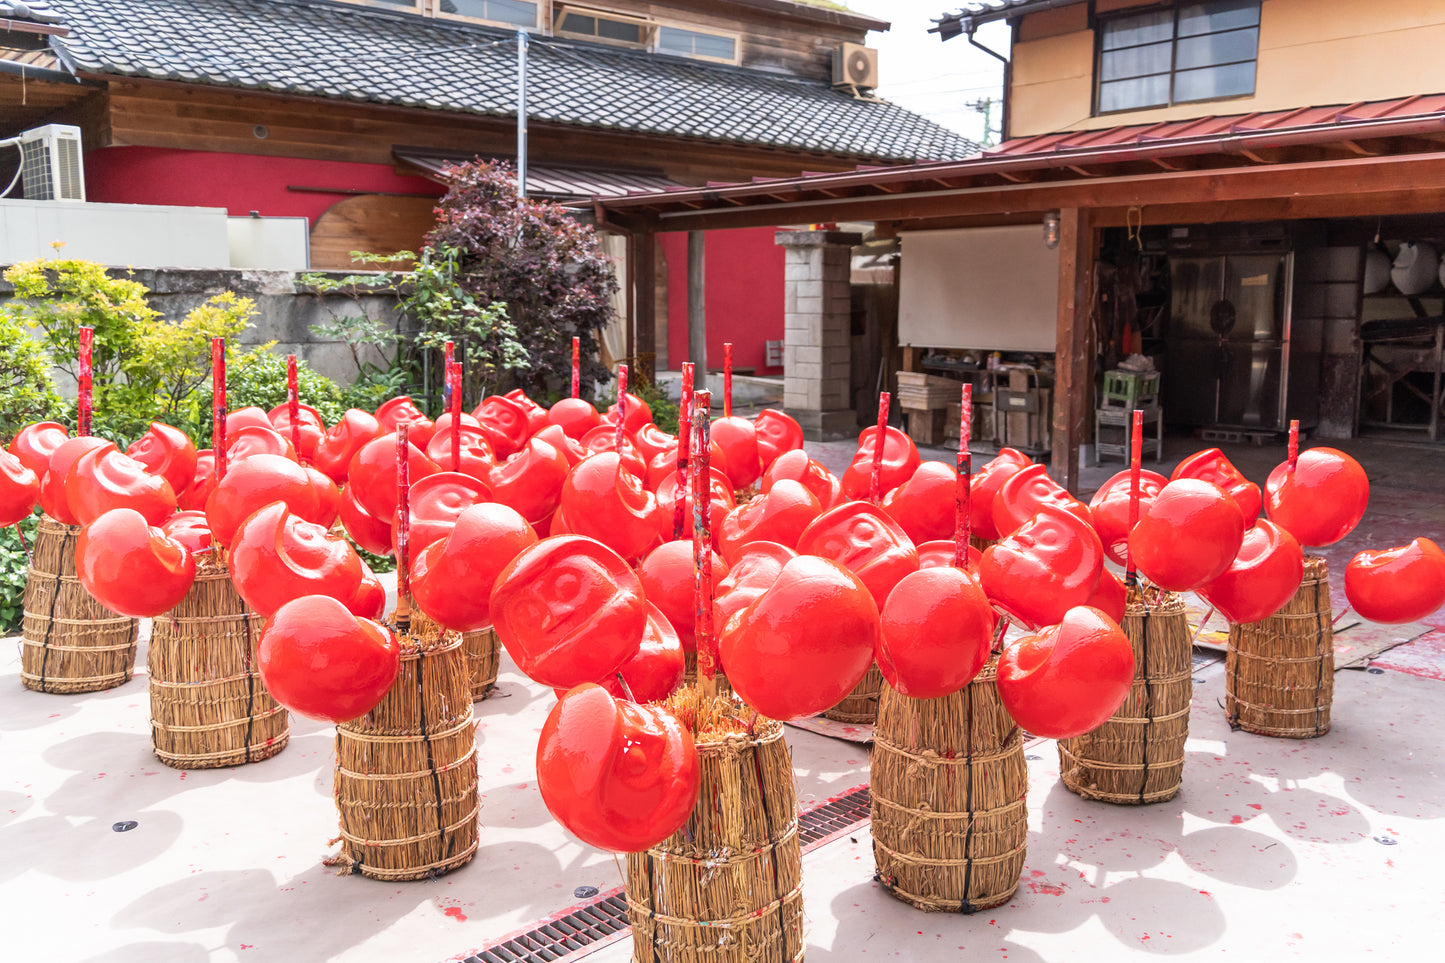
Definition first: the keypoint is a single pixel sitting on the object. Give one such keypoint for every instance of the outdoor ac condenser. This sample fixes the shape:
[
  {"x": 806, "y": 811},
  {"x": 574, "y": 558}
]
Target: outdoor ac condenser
[{"x": 51, "y": 168}]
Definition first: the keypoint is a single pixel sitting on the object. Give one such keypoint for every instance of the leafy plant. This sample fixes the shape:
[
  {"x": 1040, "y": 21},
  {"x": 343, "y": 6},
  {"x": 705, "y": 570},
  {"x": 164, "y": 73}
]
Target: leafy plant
[
  {"x": 258, "y": 378},
  {"x": 14, "y": 568},
  {"x": 26, "y": 391},
  {"x": 359, "y": 329},
  {"x": 664, "y": 410},
  {"x": 547, "y": 269}
]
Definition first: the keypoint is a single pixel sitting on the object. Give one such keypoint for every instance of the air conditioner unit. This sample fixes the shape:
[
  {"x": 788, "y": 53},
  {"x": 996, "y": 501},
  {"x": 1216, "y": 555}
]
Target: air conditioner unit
[
  {"x": 855, "y": 65},
  {"x": 50, "y": 163}
]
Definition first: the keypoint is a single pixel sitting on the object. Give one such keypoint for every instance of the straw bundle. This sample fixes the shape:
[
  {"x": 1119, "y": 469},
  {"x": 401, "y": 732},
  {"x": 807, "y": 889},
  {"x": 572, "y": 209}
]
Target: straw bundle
[
  {"x": 1138, "y": 755},
  {"x": 1280, "y": 673},
  {"x": 949, "y": 784},
  {"x": 69, "y": 642},
  {"x": 689, "y": 678},
  {"x": 209, "y": 707},
  {"x": 727, "y": 887},
  {"x": 406, "y": 772},
  {"x": 860, "y": 705},
  {"x": 483, "y": 652},
  {"x": 982, "y": 544}
]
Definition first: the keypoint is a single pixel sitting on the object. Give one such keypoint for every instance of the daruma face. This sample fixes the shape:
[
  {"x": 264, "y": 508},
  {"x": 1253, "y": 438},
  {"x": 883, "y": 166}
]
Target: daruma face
[
  {"x": 1051, "y": 564},
  {"x": 865, "y": 541}
]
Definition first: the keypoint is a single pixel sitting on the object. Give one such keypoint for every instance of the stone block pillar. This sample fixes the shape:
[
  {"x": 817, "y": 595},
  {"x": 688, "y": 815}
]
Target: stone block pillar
[{"x": 817, "y": 338}]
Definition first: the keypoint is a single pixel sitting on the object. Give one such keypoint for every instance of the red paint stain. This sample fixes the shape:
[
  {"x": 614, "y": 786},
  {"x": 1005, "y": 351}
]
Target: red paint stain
[
  {"x": 1255, "y": 806},
  {"x": 248, "y": 946},
  {"x": 455, "y": 912},
  {"x": 1048, "y": 889},
  {"x": 1037, "y": 873},
  {"x": 1235, "y": 820}
]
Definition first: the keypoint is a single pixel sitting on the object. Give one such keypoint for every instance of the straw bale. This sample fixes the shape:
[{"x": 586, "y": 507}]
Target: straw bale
[
  {"x": 949, "y": 784},
  {"x": 861, "y": 704},
  {"x": 727, "y": 886},
  {"x": 483, "y": 651},
  {"x": 406, "y": 772},
  {"x": 689, "y": 677},
  {"x": 1280, "y": 673},
  {"x": 1137, "y": 756},
  {"x": 69, "y": 642},
  {"x": 209, "y": 706}
]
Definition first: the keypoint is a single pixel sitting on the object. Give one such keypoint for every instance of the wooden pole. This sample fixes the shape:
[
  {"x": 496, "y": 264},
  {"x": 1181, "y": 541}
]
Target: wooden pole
[
  {"x": 963, "y": 492},
  {"x": 403, "y": 529},
  {"x": 697, "y": 307},
  {"x": 702, "y": 547},
  {"x": 1073, "y": 367},
  {"x": 684, "y": 446}
]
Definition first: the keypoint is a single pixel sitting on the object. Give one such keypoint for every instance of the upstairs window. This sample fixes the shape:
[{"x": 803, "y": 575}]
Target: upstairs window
[
  {"x": 1187, "y": 53},
  {"x": 513, "y": 13},
  {"x": 683, "y": 42},
  {"x": 602, "y": 25}
]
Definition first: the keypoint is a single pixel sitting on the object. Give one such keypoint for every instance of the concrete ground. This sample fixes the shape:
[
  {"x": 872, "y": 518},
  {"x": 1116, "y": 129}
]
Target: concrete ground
[{"x": 1321, "y": 849}]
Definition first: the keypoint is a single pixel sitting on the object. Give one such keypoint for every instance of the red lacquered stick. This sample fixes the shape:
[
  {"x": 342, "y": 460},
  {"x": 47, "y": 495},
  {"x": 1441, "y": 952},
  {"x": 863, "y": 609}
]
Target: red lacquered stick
[
  {"x": 876, "y": 488},
  {"x": 727, "y": 379},
  {"x": 451, "y": 353},
  {"x": 684, "y": 446},
  {"x": 1293, "y": 445},
  {"x": 702, "y": 542},
  {"x": 454, "y": 376},
  {"x": 218, "y": 405},
  {"x": 1136, "y": 451},
  {"x": 403, "y": 526},
  {"x": 576, "y": 367},
  {"x": 965, "y": 479},
  {"x": 293, "y": 403},
  {"x": 85, "y": 402},
  {"x": 621, "y": 406}
]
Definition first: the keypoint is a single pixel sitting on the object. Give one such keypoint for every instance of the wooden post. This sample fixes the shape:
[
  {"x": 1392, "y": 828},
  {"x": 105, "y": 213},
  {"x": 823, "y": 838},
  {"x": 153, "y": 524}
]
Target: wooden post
[
  {"x": 696, "y": 310},
  {"x": 1073, "y": 366},
  {"x": 644, "y": 298},
  {"x": 629, "y": 296}
]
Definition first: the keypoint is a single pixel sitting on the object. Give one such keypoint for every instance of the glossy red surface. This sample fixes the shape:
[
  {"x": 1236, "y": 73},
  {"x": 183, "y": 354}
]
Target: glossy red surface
[
  {"x": 1068, "y": 678},
  {"x": 618, "y": 776},
  {"x": 194, "y": 496},
  {"x": 1111, "y": 595},
  {"x": 253, "y": 483},
  {"x": 248, "y": 417},
  {"x": 436, "y": 502},
  {"x": 935, "y": 632},
  {"x": 638, "y": 413},
  {"x": 504, "y": 422},
  {"x": 255, "y": 440},
  {"x": 1050, "y": 565},
  {"x": 1024, "y": 492},
  {"x": 36, "y": 442},
  {"x": 796, "y": 465},
  {"x": 321, "y": 661},
  {"x": 401, "y": 409},
  {"x": 755, "y": 571},
  {"x": 939, "y": 554},
  {"x": 739, "y": 440},
  {"x": 52, "y": 483},
  {"x": 984, "y": 486},
  {"x": 1212, "y": 466},
  {"x": 667, "y": 581},
  {"x": 603, "y": 438},
  {"x": 19, "y": 489},
  {"x": 924, "y": 504},
  {"x": 368, "y": 531},
  {"x": 568, "y": 610},
  {"x": 103, "y": 478},
  {"x": 900, "y": 461},
  {"x": 452, "y": 577},
  {"x": 191, "y": 529},
  {"x": 720, "y": 503},
  {"x": 372, "y": 475},
  {"x": 605, "y": 501},
  {"x": 342, "y": 441},
  {"x": 474, "y": 453},
  {"x": 575, "y": 416},
  {"x": 168, "y": 452},
  {"x": 804, "y": 643},
  {"x": 1394, "y": 585},
  {"x": 1189, "y": 535},
  {"x": 1109, "y": 509},
  {"x": 777, "y": 433},
  {"x": 532, "y": 480},
  {"x": 657, "y": 669},
  {"x": 277, "y": 556},
  {"x": 865, "y": 541},
  {"x": 1322, "y": 501},
  {"x": 131, "y": 567},
  {"x": 780, "y": 515},
  {"x": 1264, "y": 575},
  {"x": 570, "y": 448},
  {"x": 328, "y": 496},
  {"x": 536, "y": 414}
]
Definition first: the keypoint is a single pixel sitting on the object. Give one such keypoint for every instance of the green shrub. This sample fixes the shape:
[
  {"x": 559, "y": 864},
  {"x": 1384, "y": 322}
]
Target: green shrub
[
  {"x": 258, "y": 377},
  {"x": 26, "y": 391}
]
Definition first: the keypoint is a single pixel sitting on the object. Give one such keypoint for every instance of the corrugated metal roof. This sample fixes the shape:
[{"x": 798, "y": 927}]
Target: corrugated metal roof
[
  {"x": 1278, "y": 120},
  {"x": 546, "y": 181}
]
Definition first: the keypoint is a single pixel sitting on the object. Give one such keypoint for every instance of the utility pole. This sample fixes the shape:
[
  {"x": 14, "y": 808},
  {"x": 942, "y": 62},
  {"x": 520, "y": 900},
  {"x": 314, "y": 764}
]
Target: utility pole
[
  {"x": 522, "y": 113},
  {"x": 984, "y": 106}
]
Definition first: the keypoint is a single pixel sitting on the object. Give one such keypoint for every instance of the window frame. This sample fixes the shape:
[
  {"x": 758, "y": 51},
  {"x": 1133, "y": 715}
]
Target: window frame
[
  {"x": 735, "y": 37},
  {"x": 418, "y": 7},
  {"x": 434, "y": 10},
  {"x": 560, "y": 12},
  {"x": 1174, "y": 70}
]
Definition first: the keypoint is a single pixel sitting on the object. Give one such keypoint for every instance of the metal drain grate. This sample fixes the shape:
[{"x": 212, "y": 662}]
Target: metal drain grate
[{"x": 604, "y": 919}]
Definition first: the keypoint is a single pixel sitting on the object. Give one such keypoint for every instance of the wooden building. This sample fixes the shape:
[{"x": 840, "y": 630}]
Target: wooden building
[
  {"x": 1222, "y": 186},
  {"x": 344, "y": 111}
]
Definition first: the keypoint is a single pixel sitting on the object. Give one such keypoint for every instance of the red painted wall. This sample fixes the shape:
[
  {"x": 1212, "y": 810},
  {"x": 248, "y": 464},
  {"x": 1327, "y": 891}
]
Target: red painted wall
[
  {"x": 744, "y": 301},
  {"x": 241, "y": 183}
]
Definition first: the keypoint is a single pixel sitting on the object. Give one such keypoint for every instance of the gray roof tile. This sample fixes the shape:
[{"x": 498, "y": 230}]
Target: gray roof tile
[{"x": 363, "y": 53}]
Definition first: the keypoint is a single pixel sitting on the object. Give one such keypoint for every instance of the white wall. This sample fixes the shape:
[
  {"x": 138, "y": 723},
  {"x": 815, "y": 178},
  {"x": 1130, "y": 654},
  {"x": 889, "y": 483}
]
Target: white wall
[
  {"x": 993, "y": 288},
  {"x": 119, "y": 235}
]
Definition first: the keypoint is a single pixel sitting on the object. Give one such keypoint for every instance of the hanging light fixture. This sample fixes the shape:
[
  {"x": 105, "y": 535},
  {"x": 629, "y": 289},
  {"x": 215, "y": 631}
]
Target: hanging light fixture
[{"x": 1051, "y": 230}]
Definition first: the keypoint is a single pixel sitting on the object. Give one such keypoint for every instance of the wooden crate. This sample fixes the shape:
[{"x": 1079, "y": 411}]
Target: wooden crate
[
  {"x": 926, "y": 425},
  {"x": 982, "y": 429},
  {"x": 925, "y": 391}
]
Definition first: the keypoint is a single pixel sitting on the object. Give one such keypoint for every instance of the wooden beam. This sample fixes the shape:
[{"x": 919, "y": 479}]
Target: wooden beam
[
  {"x": 644, "y": 297},
  {"x": 697, "y": 307},
  {"x": 1333, "y": 180},
  {"x": 1430, "y": 201},
  {"x": 1073, "y": 367}
]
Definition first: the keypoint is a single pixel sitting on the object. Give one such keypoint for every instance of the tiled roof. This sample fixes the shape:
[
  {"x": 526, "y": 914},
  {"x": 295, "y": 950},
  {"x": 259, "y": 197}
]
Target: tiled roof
[
  {"x": 367, "y": 54},
  {"x": 982, "y": 11},
  {"x": 40, "y": 11}
]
